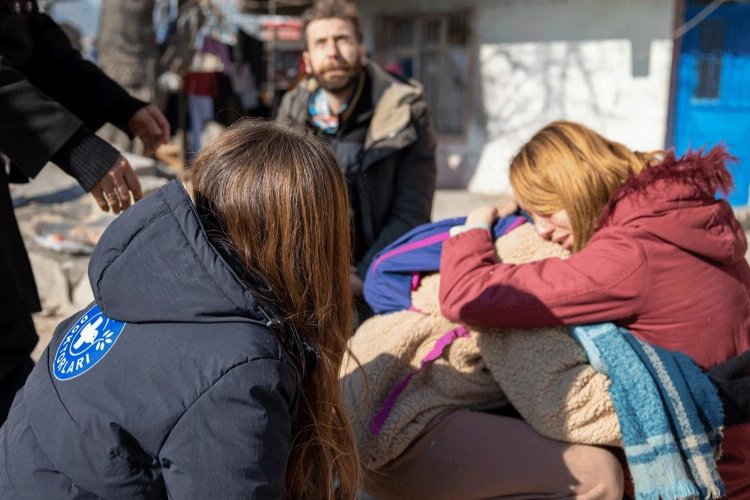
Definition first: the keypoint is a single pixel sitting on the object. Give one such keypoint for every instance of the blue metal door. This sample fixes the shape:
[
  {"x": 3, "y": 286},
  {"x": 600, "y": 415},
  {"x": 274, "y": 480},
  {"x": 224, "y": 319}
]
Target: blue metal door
[{"x": 713, "y": 89}]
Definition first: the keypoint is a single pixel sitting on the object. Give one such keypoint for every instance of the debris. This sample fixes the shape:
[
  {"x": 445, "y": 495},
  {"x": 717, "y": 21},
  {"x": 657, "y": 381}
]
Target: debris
[{"x": 57, "y": 242}]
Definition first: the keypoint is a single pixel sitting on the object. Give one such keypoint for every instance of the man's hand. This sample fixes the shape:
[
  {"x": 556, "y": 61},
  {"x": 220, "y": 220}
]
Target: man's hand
[
  {"x": 114, "y": 189},
  {"x": 355, "y": 282},
  {"x": 151, "y": 127}
]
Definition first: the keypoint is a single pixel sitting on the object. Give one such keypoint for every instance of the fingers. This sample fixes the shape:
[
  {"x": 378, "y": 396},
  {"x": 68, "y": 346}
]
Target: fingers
[
  {"x": 150, "y": 133},
  {"x": 118, "y": 196},
  {"x": 123, "y": 193},
  {"x": 161, "y": 120},
  {"x": 131, "y": 181},
  {"x": 507, "y": 208},
  {"x": 151, "y": 127},
  {"x": 483, "y": 216},
  {"x": 113, "y": 191},
  {"x": 98, "y": 194},
  {"x": 107, "y": 198}
]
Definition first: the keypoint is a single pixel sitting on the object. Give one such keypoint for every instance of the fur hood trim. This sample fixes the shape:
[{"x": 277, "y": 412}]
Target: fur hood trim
[{"x": 704, "y": 174}]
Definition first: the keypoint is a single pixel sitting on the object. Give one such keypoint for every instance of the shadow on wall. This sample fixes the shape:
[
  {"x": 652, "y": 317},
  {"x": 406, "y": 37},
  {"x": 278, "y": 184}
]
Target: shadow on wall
[
  {"x": 604, "y": 63},
  {"x": 556, "y": 79},
  {"x": 524, "y": 86}
]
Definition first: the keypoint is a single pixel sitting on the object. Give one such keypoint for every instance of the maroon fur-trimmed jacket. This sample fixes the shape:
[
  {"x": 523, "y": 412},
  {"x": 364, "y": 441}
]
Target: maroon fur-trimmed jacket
[{"x": 667, "y": 262}]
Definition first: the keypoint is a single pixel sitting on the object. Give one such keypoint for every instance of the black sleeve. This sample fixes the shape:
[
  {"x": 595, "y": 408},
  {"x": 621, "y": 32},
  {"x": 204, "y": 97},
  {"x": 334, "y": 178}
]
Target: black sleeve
[
  {"x": 732, "y": 379},
  {"x": 59, "y": 71},
  {"x": 50, "y": 106},
  {"x": 414, "y": 187},
  {"x": 33, "y": 127},
  {"x": 86, "y": 157},
  {"x": 234, "y": 440}
]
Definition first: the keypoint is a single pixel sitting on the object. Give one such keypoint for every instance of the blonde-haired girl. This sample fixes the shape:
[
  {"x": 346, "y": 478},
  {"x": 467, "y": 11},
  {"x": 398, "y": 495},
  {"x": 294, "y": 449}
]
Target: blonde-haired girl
[{"x": 654, "y": 251}]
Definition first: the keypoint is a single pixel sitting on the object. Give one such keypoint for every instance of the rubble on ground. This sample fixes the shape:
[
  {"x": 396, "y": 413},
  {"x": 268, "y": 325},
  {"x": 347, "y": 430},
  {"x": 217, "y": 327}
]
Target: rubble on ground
[{"x": 60, "y": 237}]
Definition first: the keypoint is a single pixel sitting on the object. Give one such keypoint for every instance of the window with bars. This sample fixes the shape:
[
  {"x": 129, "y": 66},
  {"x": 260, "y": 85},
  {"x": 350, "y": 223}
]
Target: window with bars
[{"x": 432, "y": 49}]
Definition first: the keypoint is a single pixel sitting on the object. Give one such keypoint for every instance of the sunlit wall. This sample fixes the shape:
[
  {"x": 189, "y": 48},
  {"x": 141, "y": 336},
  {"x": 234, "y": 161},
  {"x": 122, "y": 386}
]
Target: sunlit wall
[{"x": 605, "y": 63}]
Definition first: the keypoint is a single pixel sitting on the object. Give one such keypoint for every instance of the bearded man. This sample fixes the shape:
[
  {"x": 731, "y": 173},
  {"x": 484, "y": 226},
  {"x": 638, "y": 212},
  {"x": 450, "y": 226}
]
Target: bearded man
[{"x": 377, "y": 123}]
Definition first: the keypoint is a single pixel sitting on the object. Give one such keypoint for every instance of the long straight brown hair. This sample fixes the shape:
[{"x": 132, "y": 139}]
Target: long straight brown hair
[{"x": 281, "y": 199}]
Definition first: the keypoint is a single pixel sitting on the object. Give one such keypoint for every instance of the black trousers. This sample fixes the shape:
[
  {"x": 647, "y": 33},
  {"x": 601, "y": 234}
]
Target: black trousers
[{"x": 17, "y": 339}]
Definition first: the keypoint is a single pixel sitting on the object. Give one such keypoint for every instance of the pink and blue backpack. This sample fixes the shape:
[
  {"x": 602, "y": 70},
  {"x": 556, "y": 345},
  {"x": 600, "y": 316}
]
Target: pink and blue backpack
[{"x": 397, "y": 269}]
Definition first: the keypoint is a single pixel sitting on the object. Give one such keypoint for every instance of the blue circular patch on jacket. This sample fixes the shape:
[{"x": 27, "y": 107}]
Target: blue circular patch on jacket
[{"x": 86, "y": 343}]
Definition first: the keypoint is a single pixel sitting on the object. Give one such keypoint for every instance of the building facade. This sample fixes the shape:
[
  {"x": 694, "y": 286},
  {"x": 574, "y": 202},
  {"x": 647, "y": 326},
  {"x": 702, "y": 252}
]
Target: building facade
[{"x": 495, "y": 71}]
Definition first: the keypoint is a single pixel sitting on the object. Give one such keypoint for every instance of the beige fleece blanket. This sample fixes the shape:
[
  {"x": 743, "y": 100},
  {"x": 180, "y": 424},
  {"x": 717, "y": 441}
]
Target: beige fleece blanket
[{"x": 542, "y": 372}]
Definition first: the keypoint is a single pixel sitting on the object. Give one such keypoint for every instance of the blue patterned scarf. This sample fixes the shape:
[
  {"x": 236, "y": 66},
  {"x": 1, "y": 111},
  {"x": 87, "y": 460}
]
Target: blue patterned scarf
[
  {"x": 669, "y": 411},
  {"x": 321, "y": 114}
]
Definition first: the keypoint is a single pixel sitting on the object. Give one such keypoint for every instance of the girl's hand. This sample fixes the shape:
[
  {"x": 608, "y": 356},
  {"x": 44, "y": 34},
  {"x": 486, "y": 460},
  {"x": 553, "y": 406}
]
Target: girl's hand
[
  {"x": 506, "y": 208},
  {"x": 485, "y": 216}
]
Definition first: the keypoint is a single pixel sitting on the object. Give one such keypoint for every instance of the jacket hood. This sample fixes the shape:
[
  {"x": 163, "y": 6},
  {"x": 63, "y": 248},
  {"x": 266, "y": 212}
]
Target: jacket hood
[
  {"x": 154, "y": 263},
  {"x": 676, "y": 202},
  {"x": 394, "y": 98}
]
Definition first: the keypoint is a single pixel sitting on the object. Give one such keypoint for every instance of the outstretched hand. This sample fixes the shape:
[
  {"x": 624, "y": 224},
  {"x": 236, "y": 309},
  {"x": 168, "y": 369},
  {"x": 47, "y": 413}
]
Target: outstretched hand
[
  {"x": 732, "y": 378},
  {"x": 113, "y": 191},
  {"x": 151, "y": 127}
]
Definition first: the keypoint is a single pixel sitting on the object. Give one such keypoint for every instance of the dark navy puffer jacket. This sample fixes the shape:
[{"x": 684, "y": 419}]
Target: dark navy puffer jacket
[{"x": 165, "y": 387}]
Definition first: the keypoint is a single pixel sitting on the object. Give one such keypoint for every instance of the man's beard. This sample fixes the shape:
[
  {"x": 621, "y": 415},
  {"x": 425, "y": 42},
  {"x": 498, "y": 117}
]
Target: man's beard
[{"x": 338, "y": 81}]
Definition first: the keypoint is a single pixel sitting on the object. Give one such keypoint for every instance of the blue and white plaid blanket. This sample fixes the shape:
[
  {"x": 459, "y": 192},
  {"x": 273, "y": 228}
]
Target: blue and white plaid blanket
[{"x": 669, "y": 412}]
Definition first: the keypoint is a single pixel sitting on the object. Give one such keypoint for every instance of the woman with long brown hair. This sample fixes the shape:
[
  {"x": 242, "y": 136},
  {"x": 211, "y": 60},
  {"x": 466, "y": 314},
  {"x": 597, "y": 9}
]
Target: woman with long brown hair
[{"x": 208, "y": 365}]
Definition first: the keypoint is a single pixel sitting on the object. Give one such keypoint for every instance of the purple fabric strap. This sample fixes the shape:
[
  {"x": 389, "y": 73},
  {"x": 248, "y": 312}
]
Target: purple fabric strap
[
  {"x": 416, "y": 279},
  {"x": 437, "y": 350},
  {"x": 437, "y": 238},
  {"x": 518, "y": 222}
]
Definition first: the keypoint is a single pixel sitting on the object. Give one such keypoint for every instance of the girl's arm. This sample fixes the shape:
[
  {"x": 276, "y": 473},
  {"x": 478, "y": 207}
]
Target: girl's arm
[{"x": 606, "y": 281}]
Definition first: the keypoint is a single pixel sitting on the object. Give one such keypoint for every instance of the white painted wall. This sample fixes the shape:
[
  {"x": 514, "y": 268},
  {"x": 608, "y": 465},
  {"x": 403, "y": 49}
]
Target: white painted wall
[{"x": 605, "y": 63}]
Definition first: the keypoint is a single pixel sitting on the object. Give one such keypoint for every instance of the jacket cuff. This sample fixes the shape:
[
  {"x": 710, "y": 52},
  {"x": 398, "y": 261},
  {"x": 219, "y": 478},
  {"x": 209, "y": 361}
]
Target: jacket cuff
[
  {"x": 122, "y": 110},
  {"x": 463, "y": 228},
  {"x": 86, "y": 157}
]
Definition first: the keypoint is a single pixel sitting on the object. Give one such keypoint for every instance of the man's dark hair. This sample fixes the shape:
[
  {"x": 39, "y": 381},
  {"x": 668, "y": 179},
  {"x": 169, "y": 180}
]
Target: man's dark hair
[{"x": 327, "y": 9}]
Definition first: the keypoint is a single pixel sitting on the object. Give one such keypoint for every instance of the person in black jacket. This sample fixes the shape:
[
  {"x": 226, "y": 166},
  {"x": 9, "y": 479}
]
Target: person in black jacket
[
  {"x": 51, "y": 100},
  {"x": 208, "y": 365},
  {"x": 378, "y": 124}
]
